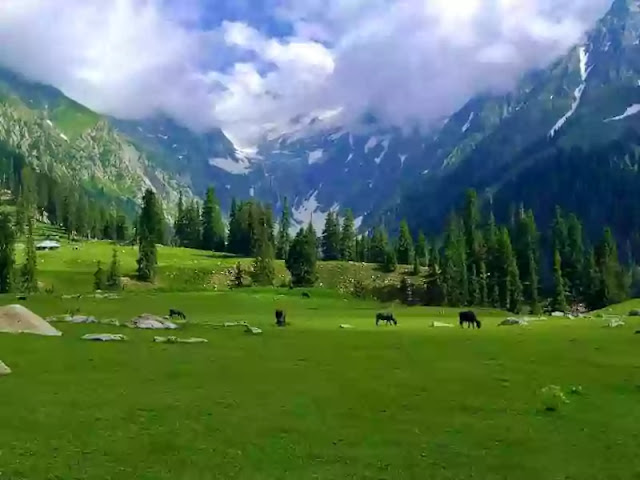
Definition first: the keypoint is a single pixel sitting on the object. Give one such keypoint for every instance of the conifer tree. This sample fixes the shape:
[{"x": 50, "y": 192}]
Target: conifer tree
[
  {"x": 421, "y": 249},
  {"x": 99, "y": 278},
  {"x": 527, "y": 252},
  {"x": 416, "y": 266},
  {"x": 378, "y": 246},
  {"x": 192, "y": 226},
  {"x": 302, "y": 258},
  {"x": 235, "y": 228},
  {"x": 122, "y": 228},
  {"x": 390, "y": 263},
  {"x": 613, "y": 287},
  {"x": 29, "y": 270},
  {"x": 178, "y": 225},
  {"x": 510, "y": 287},
  {"x": 27, "y": 199},
  {"x": 573, "y": 265},
  {"x": 82, "y": 216},
  {"x": 331, "y": 238},
  {"x": 494, "y": 263},
  {"x": 593, "y": 284},
  {"x": 284, "y": 238},
  {"x": 559, "y": 302},
  {"x": 213, "y": 231},
  {"x": 348, "y": 238},
  {"x": 456, "y": 284},
  {"x": 147, "y": 235},
  {"x": 263, "y": 272},
  {"x": 113, "y": 280},
  {"x": 560, "y": 236},
  {"x": 7, "y": 252},
  {"x": 405, "y": 245}
]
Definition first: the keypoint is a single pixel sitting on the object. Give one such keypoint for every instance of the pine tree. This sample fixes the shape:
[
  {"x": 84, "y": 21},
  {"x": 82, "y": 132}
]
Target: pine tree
[
  {"x": 147, "y": 236},
  {"x": 27, "y": 199},
  {"x": 434, "y": 283},
  {"x": 302, "y": 258},
  {"x": 122, "y": 228},
  {"x": 509, "y": 285},
  {"x": 416, "y": 266},
  {"x": 560, "y": 236},
  {"x": 331, "y": 238},
  {"x": 493, "y": 263},
  {"x": 69, "y": 212},
  {"x": 235, "y": 228},
  {"x": 456, "y": 281},
  {"x": 390, "y": 263},
  {"x": 573, "y": 265},
  {"x": 613, "y": 287},
  {"x": 213, "y": 231},
  {"x": 593, "y": 282},
  {"x": 527, "y": 252},
  {"x": 405, "y": 245},
  {"x": 192, "y": 226},
  {"x": 29, "y": 270},
  {"x": 348, "y": 238},
  {"x": 113, "y": 281},
  {"x": 178, "y": 224},
  {"x": 263, "y": 272},
  {"x": 284, "y": 238},
  {"x": 421, "y": 250},
  {"x": 559, "y": 302},
  {"x": 378, "y": 246},
  {"x": 82, "y": 216},
  {"x": 99, "y": 278},
  {"x": 474, "y": 287},
  {"x": 7, "y": 252}
]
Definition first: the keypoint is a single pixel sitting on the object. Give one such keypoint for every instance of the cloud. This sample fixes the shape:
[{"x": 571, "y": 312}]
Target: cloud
[{"x": 253, "y": 67}]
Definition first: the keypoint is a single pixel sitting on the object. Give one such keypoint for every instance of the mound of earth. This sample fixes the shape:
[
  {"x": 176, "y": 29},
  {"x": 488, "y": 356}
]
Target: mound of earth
[{"x": 18, "y": 319}]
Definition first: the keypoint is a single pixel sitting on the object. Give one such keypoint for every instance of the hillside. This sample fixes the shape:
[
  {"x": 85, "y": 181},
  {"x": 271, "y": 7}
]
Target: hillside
[{"x": 59, "y": 136}]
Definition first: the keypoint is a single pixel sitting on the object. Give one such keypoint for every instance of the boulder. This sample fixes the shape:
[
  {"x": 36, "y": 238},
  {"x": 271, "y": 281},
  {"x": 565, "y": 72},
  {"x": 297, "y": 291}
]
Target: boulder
[
  {"x": 557, "y": 314},
  {"x": 253, "y": 330},
  {"x": 81, "y": 319},
  {"x": 614, "y": 323},
  {"x": 509, "y": 322},
  {"x": 18, "y": 319},
  {"x": 4, "y": 370},
  {"x": 152, "y": 322},
  {"x": 179, "y": 340},
  {"x": 105, "y": 337}
]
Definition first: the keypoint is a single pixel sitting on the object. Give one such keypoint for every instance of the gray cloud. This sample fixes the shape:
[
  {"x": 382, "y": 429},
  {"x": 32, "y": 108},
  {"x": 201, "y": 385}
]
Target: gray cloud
[{"x": 404, "y": 60}]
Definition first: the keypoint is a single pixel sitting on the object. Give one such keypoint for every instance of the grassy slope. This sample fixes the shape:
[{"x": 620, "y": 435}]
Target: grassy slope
[{"x": 314, "y": 401}]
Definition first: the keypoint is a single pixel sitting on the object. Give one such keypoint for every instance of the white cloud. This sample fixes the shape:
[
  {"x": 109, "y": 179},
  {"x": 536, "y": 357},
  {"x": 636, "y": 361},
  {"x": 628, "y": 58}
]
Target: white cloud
[{"x": 403, "y": 60}]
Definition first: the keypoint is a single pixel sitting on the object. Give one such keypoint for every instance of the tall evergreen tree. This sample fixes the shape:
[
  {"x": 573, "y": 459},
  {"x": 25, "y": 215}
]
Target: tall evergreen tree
[
  {"x": 263, "y": 272},
  {"x": 560, "y": 236},
  {"x": 331, "y": 238},
  {"x": 27, "y": 199},
  {"x": 510, "y": 287},
  {"x": 213, "y": 231},
  {"x": 192, "y": 226},
  {"x": 235, "y": 228},
  {"x": 405, "y": 245},
  {"x": 348, "y": 238},
  {"x": 559, "y": 302},
  {"x": 178, "y": 224},
  {"x": 147, "y": 235},
  {"x": 7, "y": 252},
  {"x": 29, "y": 269},
  {"x": 456, "y": 282},
  {"x": 284, "y": 237},
  {"x": 421, "y": 250},
  {"x": 378, "y": 246},
  {"x": 390, "y": 263},
  {"x": 113, "y": 280},
  {"x": 613, "y": 287},
  {"x": 573, "y": 264},
  {"x": 494, "y": 265},
  {"x": 99, "y": 277},
  {"x": 527, "y": 251},
  {"x": 302, "y": 258},
  {"x": 592, "y": 287}
]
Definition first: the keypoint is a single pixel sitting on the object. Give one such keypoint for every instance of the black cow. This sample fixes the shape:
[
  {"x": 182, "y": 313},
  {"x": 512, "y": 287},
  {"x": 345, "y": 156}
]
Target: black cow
[
  {"x": 306, "y": 295},
  {"x": 177, "y": 313},
  {"x": 388, "y": 318},
  {"x": 281, "y": 318},
  {"x": 470, "y": 319}
]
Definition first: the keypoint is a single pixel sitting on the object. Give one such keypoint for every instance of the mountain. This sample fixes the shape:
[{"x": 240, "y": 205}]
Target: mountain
[{"x": 59, "y": 136}]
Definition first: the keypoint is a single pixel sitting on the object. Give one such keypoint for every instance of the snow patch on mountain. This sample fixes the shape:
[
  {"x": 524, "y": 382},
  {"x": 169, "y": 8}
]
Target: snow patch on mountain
[
  {"x": 632, "y": 110},
  {"x": 309, "y": 211},
  {"x": 385, "y": 144},
  {"x": 315, "y": 156},
  {"x": 467, "y": 125},
  {"x": 371, "y": 143},
  {"x": 402, "y": 160},
  {"x": 241, "y": 166}
]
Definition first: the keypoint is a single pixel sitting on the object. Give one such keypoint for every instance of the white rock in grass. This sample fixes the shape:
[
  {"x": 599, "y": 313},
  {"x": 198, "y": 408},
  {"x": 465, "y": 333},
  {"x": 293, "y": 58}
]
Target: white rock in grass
[
  {"x": 441, "y": 325},
  {"x": 4, "y": 370},
  {"x": 105, "y": 337}
]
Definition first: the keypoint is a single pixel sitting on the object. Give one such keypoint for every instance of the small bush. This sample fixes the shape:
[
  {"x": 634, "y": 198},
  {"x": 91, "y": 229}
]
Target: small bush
[{"x": 552, "y": 398}]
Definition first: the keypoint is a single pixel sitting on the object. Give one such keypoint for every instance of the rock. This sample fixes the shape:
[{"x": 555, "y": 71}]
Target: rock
[
  {"x": 441, "y": 325},
  {"x": 82, "y": 319},
  {"x": 105, "y": 337},
  {"x": 235, "y": 324},
  {"x": 179, "y": 340},
  {"x": 509, "y": 322},
  {"x": 253, "y": 330},
  {"x": 4, "y": 370},
  {"x": 614, "y": 323},
  {"x": 152, "y": 322},
  {"x": 634, "y": 313},
  {"x": 346, "y": 326},
  {"x": 18, "y": 319},
  {"x": 557, "y": 314}
]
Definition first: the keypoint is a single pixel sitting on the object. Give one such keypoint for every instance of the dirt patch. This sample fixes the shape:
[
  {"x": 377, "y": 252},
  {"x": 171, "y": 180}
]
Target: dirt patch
[{"x": 18, "y": 319}]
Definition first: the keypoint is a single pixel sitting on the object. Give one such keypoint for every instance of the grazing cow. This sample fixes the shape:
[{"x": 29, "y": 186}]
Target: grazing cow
[
  {"x": 306, "y": 295},
  {"x": 177, "y": 313},
  {"x": 388, "y": 318},
  {"x": 281, "y": 318},
  {"x": 470, "y": 319}
]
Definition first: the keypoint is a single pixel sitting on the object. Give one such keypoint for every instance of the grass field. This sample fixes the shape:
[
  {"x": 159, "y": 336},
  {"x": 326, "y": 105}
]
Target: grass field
[{"x": 315, "y": 401}]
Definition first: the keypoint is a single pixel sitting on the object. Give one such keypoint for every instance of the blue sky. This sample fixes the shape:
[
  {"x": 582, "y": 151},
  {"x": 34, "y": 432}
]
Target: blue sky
[{"x": 251, "y": 66}]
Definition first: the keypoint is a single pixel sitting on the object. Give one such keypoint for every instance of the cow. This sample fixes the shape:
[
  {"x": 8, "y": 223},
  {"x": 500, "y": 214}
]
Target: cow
[
  {"x": 177, "y": 313},
  {"x": 281, "y": 318},
  {"x": 470, "y": 319},
  {"x": 306, "y": 295},
  {"x": 388, "y": 318}
]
